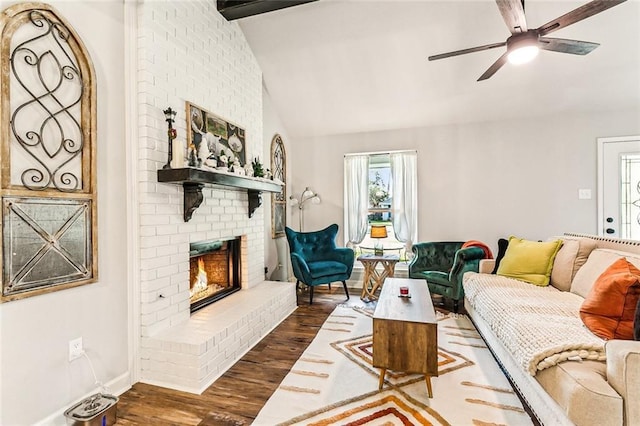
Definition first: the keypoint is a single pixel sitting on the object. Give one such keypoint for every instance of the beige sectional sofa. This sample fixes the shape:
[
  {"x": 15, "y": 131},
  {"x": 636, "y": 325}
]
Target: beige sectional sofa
[{"x": 566, "y": 374}]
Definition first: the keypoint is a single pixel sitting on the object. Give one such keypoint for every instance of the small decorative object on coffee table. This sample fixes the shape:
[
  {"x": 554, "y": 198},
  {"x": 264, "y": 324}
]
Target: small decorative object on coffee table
[
  {"x": 405, "y": 331},
  {"x": 373, "y": 279}
]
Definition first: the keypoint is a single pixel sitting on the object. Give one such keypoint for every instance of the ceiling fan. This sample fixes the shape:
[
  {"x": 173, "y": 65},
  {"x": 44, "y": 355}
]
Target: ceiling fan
[{"x": 523, "y": 44}]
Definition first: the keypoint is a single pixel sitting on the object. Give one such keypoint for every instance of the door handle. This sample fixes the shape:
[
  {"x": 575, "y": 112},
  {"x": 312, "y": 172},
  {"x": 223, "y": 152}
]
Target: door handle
[
  {"x": 609, "y": 219},
  {"x": 610, "y": 231}
]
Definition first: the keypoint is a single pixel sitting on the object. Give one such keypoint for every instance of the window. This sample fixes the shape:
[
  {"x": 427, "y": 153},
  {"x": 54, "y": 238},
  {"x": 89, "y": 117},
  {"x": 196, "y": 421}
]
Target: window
[
  {"x": 379, "y": 204},
  {"x": 379, "y": 211}
]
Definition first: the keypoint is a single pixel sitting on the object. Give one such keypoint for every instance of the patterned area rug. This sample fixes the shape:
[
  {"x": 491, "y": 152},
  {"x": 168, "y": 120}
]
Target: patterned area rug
[{"x": 334, "y": 382}]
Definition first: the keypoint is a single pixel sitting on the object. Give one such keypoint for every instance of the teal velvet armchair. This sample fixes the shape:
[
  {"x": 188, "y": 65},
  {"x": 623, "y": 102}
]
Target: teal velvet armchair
[
  {"x": 316, "y": 260},
  {"x": 442, "y": 264}
]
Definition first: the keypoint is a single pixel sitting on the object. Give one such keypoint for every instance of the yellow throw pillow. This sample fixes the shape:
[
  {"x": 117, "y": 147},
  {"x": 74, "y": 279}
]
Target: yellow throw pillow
[{"x": 529, "y": 261}]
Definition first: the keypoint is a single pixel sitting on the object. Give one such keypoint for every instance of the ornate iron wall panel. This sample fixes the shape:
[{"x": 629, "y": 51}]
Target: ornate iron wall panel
[
  {"x": 48, "y": 153},
  {"x": 278, "y": 200}
]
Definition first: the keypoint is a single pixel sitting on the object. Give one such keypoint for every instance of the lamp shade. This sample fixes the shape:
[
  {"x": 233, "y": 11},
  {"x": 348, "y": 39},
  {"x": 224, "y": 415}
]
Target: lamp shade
[
  {"x": 378, "y": 231},
  {"x": 307, "y": 193}
]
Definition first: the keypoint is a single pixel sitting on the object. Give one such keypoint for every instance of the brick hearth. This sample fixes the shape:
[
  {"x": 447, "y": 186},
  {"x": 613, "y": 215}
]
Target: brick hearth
[{"x": 192, "y": 355}]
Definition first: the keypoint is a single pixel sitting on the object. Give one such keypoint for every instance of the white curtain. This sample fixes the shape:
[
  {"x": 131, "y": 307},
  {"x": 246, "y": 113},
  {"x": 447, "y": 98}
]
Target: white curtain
[
  {"x": 356, "y": 197},
  {"x": 404, "y": 202}
]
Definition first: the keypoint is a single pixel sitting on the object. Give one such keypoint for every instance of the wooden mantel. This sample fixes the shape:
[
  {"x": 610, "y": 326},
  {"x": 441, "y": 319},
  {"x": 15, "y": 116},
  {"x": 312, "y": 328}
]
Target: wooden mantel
[{"x": 193, "y": 180}]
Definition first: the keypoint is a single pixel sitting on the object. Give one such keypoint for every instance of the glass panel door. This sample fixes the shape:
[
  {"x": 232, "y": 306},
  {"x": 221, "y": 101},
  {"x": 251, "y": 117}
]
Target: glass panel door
[
  {"x": 630, "y": 196},
  {"x": 619, "y": 187}
]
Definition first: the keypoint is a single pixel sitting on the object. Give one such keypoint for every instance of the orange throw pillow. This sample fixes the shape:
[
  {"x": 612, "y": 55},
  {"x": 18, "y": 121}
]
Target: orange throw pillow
[{"x": 610, "y": 307}]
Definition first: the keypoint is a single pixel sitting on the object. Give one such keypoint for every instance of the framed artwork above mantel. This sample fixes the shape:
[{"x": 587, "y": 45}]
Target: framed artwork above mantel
[{"x": 218, "y": 133}]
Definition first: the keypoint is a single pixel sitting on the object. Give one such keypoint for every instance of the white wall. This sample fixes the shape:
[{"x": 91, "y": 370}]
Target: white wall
[
  {"x": 37, "y": 380},
  {"x": 479, "y": 181},
  {"x": 272, "y": 125}
]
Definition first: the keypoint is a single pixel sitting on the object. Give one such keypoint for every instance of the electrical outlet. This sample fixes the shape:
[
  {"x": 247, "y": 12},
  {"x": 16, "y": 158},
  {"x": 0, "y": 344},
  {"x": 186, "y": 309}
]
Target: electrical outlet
[{"x": 75, "y": 348}]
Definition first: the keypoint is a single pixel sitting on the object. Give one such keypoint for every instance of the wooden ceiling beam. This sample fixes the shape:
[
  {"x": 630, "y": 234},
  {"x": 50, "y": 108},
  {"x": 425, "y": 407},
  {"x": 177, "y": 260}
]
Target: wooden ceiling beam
[{"x": 238, "y": 9}]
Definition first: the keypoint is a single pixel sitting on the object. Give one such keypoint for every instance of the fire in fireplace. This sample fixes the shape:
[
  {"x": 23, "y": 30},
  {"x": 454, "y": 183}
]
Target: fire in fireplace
[{"x": 214, "y": 271}]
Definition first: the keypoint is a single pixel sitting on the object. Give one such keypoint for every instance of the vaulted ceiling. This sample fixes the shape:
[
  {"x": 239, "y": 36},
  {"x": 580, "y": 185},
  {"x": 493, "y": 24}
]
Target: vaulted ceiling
[{"x": 348, "y": 66}]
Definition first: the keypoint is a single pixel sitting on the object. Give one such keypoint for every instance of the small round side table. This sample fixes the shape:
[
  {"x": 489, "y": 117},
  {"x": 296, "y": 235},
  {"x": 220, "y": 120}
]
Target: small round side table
[{"x": 373, "y": 279}]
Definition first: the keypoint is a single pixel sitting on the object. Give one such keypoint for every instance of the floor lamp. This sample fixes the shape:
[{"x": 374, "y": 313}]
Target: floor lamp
[{"x": 306, "y": 196}]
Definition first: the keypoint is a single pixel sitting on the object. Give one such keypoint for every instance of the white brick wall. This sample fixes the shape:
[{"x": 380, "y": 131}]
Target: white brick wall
[{"x": 188, "y": 52}]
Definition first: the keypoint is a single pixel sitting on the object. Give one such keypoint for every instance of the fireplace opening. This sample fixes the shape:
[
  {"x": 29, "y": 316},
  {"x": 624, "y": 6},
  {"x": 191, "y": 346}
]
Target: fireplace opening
[{"x": 214, "y": 271}]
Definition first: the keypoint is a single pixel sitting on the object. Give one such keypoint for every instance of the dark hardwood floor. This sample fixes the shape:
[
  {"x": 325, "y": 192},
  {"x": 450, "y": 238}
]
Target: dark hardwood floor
[{"x": 238, "y": 395}]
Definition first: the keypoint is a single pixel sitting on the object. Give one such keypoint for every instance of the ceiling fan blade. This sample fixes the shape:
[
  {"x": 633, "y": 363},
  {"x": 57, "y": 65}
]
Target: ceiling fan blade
[
  {"x": 575, "y": 47},
  {"x": 464, "y": 51},
  {"x": 495, "y": 67},
  {"x": 513, "y": 14},
  {"x": 583, "y": 12}
]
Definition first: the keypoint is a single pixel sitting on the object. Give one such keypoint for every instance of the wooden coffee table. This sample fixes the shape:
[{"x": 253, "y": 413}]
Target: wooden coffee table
[{"x": 405, "y": 331}]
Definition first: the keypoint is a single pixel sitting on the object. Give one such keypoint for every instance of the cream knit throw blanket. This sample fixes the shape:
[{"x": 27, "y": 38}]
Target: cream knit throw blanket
[{"x": 540, "y": 326}]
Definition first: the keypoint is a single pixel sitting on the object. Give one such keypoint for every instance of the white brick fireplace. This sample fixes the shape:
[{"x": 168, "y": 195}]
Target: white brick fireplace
[{"x": 188, "y": 52}]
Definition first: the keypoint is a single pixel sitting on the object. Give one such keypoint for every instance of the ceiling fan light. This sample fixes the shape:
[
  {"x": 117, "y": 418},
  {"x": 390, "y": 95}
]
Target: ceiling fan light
[{"x": 522, "y": 55}]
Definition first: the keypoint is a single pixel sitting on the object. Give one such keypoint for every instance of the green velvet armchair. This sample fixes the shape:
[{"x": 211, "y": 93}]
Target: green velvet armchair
[
  {"x": 442, "y": 264},
  {"x": 316, "y": 259}
]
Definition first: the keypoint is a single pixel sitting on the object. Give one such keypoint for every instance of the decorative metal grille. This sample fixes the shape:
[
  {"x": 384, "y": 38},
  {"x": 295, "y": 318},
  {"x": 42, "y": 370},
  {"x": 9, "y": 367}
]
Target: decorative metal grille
[
  {"x": 48, "y": 127},
  {"x": 46, "y": 90},
  {"x": 278, "y": 200},
  {"x": 46, "y": 242}
]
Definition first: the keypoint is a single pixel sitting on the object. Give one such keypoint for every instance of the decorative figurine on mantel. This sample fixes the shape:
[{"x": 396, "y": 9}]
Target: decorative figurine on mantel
[
  {"x": 248, "y": 170},
  {"x": 192, "y": 158},
  {"x": 222, "y": 161},
  {"x": 203, "y": 153},
  {"x": 211, "y": 161},
  {"x": 170, "y": 116},
  {"x": 237, "y": 168}
]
